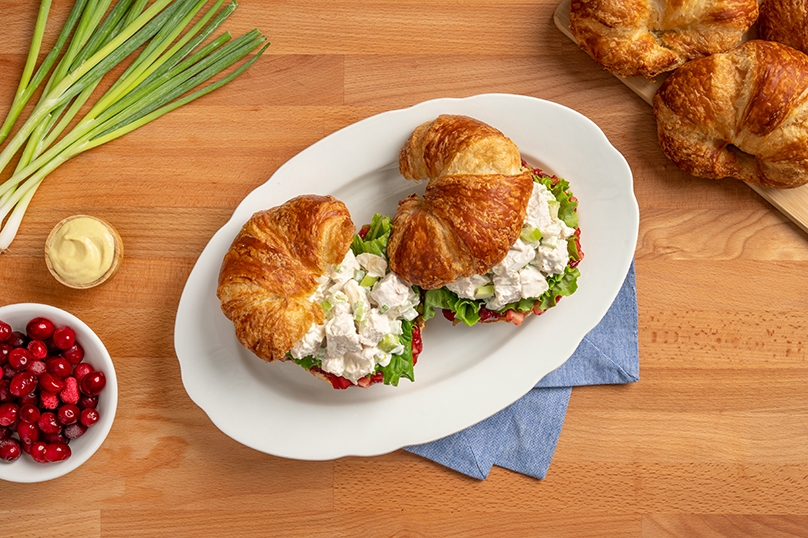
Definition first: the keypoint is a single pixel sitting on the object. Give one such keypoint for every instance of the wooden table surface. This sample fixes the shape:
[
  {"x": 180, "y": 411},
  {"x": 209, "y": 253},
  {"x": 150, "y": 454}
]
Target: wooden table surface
[{"x": 712, "y": 441}]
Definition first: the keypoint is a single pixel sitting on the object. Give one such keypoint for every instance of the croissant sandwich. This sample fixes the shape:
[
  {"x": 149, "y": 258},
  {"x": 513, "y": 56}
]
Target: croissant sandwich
[
  {"x": 491, "y": 239},
  {"x": 647, "y": 38},
  {"x": 300, "y": 285},
  {"x": 740, "y": 114}
]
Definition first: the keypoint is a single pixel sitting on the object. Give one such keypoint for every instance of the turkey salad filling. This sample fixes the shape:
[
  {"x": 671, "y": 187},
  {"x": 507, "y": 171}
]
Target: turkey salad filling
[
  {"x": 370, "y": 316},
  {"x": 538, "y": 269}
]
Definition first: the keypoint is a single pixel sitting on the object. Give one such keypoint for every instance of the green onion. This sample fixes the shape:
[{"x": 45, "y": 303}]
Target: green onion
[{"x": 173, "y": 66}]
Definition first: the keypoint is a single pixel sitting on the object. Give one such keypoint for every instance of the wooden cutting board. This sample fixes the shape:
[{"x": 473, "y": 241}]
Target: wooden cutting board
[{"x": 793, "y": 203}]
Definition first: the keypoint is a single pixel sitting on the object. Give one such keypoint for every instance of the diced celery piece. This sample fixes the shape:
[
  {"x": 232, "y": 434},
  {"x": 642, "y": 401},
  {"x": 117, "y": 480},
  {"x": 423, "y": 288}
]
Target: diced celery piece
[
  {"x": 484, "y": 292},
  {"x": 389, "y": 343},
  {"x": 554, "y": 206},
  {"x": 530, "y": 234},
  {"x": 368, "y": 281}
]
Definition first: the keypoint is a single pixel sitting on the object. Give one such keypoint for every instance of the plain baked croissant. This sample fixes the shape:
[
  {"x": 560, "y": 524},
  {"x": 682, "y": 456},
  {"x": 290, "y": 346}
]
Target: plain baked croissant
[
  {"x": 472, "y": 210},
  {"x": 785, "y": 21},
  {"x": 649, "y": 37},
  {"x": 271, "y": 269},
  {"x": 741, "y": 114}
]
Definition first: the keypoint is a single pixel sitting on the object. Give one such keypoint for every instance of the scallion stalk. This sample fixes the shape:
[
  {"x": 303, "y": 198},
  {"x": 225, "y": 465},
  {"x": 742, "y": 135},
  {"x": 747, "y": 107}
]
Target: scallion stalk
[{"x": 175, "y": 65}]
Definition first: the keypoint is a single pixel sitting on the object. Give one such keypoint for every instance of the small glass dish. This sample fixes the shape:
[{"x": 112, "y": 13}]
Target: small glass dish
[{"x": 114, "y": 262}]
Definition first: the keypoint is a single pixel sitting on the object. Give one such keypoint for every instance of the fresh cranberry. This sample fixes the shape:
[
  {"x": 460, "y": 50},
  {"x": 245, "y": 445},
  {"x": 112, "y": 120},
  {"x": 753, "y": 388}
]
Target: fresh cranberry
[
  {"x": 38, "y": 452},
  {"x": 29, "y": 413},
  {"x": 48, "y": 400},
  {"x": 74, "y": 431},
  {"x": 5, "y": 349},
  {"x": 5, "y": 432},
  {"x": 74, "y": 354},
  {"x": 64, "y": 338},
  {"x": 22, "y": 384},
  {"x": 57, "y": 451},
  {"x": 50, "y": 383},
  {"x": 10, "y": 449},
  {"x": 68, "y": 414},
  {"x": 70, "y": 394},
  {"x": 5, "y": 394},
  {"x": 29, "y": 433},
  {"x": 39, "y": 328},
  {"x": 26, "y": 447},
  {"x": 17, "y": 339},
  {"x": 93, "y": 383},
  {"x": 81, "y": 370},
  {"x": 5, "y": 331},
  {"x": 38, "y": 349},
  {"x": 89, "y": 417},
  {"x": 59, "y": 367},
  {"x": 9, "y": 413},
  {"x": 36, "y": 367},
  {"x": 48, "y": 424},
  {"x": 88, "y": 402},
  {"x": 19, "y": 358}
]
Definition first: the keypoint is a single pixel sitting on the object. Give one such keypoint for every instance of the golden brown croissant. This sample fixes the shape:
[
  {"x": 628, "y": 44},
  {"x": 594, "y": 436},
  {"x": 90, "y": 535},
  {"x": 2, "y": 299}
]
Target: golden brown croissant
[
  {"x": 473, "y": 207},
  {"x": 785, "y": 21},
  {"x": 741, "y": 114},
  {"x": 645, "y": 37},
  {"x": 271, "y": 270}
]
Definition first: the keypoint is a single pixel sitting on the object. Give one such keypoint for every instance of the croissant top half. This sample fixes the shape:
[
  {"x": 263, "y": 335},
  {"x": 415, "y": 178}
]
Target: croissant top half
[
  {"x": 472, "y": 210},
  {"x": 271, "y": 270}
]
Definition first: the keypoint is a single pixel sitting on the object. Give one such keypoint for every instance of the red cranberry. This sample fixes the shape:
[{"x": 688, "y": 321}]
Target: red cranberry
[
  {"x": 10, "y": 449},
  {"x": 57, "y": 451},
  {"x": 19, "y": 358},
  {"x": 5, "y": 432},
  {"x": 64, "y": 338},
  {"x": 59, "y": 367},
  {"x": 88, "y": 402},
  {"x": 68, "y": 414},
  {"x": 89, "y": 417},
  {"x": 22, "y": 384},
  {"x": 48, "y": 424},
  {"x": 81, "y": 370},
  {"x": 39, "y": 328},
  {"x": 38, "y": 349},
  {"x": 5, "y": 394},
  {"x": 48, "y": 400},
  {"x": 29, "y": 413},
  {"x": 93, "y": 383},
  {"x": 70, "y": 394},
  {"x": 5, "y": 331},
  {"x": 50, "y": 383},
  {"x": 26, "y": 447},
  {"x": 75, "y": 354},
  {"x": 36, "y": 367},
  {"x": 5, "y": 349},
  {"x": 29, "y": 433},
  {"x": 38, "y": 452},
  {"x": 17, "y": 339},
  {"x": 74, "y": 431},
  {"x": 9, "y": 413}
]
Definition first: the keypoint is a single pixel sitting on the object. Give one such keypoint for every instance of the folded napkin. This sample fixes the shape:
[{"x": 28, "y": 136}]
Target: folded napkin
[{"x": 523, "y": 436}]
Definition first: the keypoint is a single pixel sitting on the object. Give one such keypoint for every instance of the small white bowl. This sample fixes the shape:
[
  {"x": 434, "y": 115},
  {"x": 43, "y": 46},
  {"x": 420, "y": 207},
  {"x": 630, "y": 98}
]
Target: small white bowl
[{"x": 25, "y": 469}]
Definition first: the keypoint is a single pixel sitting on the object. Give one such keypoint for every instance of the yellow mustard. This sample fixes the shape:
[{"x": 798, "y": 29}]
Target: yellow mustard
[{"x": 82, "y": 250}]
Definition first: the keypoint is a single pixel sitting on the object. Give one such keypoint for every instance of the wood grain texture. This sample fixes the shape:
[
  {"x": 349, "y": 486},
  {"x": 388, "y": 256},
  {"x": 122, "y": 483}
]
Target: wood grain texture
[{"x": 712, "y": 441}]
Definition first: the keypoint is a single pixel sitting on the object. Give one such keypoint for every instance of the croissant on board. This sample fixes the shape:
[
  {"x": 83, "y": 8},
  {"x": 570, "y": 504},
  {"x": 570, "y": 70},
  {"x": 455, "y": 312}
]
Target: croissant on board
[
  {"x": 785, "y": 21},
  {"x": 299, "y": 285},
  {"x": 740, "y": 114},
  {"x": 647, "y": 38},
  {"x": 472, "y": 210}
]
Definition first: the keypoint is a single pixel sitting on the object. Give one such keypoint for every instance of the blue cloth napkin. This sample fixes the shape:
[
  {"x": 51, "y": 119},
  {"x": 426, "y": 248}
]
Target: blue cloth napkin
[{"x": 523, "y": 436}]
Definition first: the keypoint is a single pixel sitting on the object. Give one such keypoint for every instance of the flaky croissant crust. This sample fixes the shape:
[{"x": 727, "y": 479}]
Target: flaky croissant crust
[
  {"x": 271, "y": 270},
  {"x": 785, "y": 21},
  {"x": 647, "y": 37},
  {"x": 473, "y": 207},
  {"x": 741, "y": 114}
]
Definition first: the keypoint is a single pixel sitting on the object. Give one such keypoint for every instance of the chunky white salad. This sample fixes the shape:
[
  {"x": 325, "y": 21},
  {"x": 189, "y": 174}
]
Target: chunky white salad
[
  {"x": 538, "y": 270},
  {"x": 370, "y": 332}
]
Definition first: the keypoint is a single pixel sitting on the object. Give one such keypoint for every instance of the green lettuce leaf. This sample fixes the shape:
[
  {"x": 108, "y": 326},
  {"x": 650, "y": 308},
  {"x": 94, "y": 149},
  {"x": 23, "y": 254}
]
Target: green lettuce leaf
[
  {"x": 400, "y": 365},
  {"x": 375, "y": 241},
  {"x": 465, "y": 310}
]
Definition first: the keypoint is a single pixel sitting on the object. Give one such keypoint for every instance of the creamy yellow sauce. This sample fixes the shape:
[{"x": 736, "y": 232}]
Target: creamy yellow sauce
[{"x": 82, "y": 250}]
